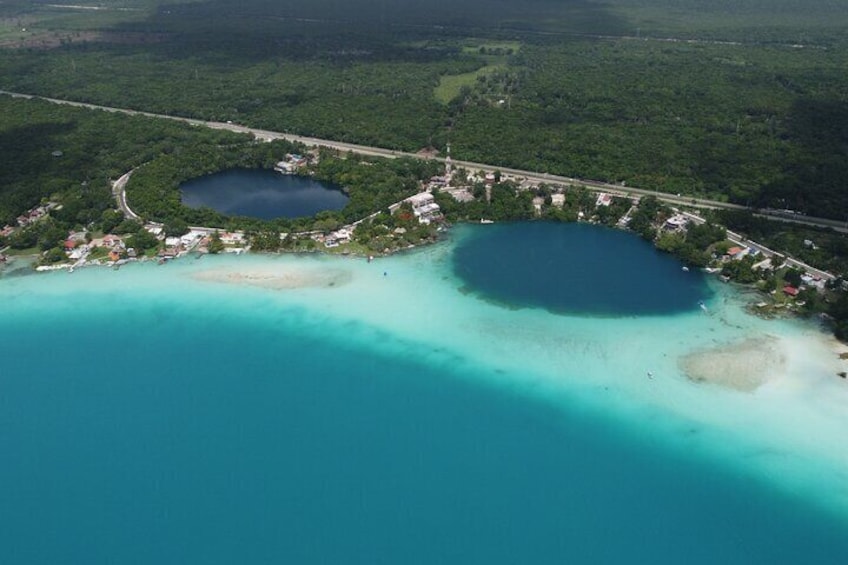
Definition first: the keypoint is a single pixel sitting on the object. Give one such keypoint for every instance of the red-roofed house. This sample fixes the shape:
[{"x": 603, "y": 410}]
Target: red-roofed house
[
  {"x": 70, "y": 244},
  {"x": 790, "y": 290}
]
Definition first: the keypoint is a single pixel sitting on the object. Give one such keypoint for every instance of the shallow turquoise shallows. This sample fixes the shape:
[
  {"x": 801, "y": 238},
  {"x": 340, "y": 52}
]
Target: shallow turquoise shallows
[{"x": 165, "y": 415}]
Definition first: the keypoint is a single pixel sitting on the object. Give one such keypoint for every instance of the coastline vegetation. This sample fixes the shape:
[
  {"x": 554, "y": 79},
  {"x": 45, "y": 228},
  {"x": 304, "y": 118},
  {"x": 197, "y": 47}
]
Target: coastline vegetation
[{"x": 742, "y": 101}]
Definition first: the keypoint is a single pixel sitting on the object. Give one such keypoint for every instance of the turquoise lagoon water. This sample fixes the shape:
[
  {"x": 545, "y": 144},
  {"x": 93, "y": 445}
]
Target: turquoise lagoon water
[{"x": 316, "y": 410}]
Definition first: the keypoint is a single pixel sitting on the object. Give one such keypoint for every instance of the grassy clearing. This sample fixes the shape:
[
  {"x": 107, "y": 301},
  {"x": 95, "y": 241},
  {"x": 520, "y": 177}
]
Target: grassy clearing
[
  {"x": 487, "y": 47},
  {"x": 451, "y": 85},
  {"x": 11, "y": 29},
  {"x": 496, "y": 56}
]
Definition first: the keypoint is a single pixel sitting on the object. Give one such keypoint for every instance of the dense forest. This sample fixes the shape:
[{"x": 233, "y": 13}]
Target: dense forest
[
  {"x": 745, "y": 101},
  {"x": 71, "y": 155}
]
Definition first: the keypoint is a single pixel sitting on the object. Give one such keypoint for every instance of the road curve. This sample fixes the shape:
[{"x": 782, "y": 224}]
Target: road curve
[
  {"x": 120, "y": 194},
  {"x": 532, "y": 176}
]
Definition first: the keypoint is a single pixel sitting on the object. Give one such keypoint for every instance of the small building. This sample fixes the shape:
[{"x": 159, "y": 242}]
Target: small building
[
  {"x": 737, "y": 252},
  {"x": 460, "y": 194},
  {"x": 191, "y": 238},
  {"x": 676, "y": 223},
  {"x": 111, "y": 240},
  {"x": 232, "y": 238},
  {"x": 343, "y": 235},
  {"x": 425, "y": 208},
  {"x": 538, "y": 201},
  {"x": 604, "y": 199},
  {"x": 558, "y": 200},
  {"x": 70, "y": 244},
  {"x": 78, "y": 253},
  {"x": 790, "y": 290}
]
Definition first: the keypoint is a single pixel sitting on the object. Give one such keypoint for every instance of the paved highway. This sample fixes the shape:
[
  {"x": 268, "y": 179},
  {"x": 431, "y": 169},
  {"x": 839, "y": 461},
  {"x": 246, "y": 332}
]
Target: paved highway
[{"x": 532, "y": 176}]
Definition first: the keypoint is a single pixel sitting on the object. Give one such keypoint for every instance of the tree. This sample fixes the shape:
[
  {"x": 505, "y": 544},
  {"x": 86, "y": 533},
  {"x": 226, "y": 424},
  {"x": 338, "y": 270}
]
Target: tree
[
  {"x": 127, "y": 226},
  {"x": 50, "y": 237},
  {"x": 110, "y": 219},
  {"x": 793, "y": 277},
  {"x": 215, "y": 243},
  {"x": 268, "y": 240},
  {"x": 54, "y": 255},
  {"x": 175, "y": 227},
  {"x": 142, "y": 240}
]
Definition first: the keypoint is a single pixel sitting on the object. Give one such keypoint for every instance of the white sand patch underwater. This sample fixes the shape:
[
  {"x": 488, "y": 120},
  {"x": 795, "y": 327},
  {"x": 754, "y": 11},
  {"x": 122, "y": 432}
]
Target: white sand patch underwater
[{"x": 763, "y": 397}]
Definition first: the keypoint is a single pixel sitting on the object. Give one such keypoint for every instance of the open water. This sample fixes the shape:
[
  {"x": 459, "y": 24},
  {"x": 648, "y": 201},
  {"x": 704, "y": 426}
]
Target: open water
[
  {"x": 262, "y": 193},
  {"x": 169, "y": 415}
]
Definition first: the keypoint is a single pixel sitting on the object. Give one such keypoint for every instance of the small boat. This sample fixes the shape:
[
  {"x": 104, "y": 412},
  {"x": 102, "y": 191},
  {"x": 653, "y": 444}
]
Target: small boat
[
  {"x": 702, "y": 305},
  {"x": 685, "y": 269}
]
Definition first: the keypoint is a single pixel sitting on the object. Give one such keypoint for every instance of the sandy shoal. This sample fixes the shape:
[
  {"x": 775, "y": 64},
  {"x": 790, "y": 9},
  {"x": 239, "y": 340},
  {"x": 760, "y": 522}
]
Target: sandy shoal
[
  {"x": 743, "y": 366},
  {"x": 280, "y": 278}
]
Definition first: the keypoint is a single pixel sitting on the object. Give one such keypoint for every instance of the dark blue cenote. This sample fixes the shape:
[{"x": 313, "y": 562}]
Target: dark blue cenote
[
  {"x": 575, "y": 268},
  {"x": 262, "y": 193}
]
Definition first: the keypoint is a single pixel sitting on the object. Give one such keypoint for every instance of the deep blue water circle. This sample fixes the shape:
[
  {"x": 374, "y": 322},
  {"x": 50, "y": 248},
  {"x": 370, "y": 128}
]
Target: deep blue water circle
[
  {"x": 576, "y": 269},
  {"x": 262, "y": 193}
]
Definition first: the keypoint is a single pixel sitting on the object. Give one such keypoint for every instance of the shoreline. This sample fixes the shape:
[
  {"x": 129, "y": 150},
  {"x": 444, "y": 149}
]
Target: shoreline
[{"x": 752, "y": 307}]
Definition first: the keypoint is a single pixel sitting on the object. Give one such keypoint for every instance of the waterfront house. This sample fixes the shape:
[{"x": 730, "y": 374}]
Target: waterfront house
[
  {"x": 228, "y": 238},
  {"x": 558, "y": 200},
  {"x": 80, "y": 252},
  {"x": 343, "y": 235},
  {"x": 790, "y": 290},
  {"x": 425, "y": 208}
]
